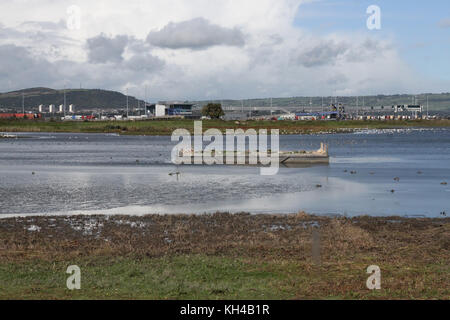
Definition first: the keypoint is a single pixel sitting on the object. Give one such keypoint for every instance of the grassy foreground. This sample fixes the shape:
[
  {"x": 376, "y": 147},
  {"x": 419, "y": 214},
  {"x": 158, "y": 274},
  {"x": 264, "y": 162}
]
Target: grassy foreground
[
  {"x": 166, "y": 127},
  {"x": 224, "y": 256}
]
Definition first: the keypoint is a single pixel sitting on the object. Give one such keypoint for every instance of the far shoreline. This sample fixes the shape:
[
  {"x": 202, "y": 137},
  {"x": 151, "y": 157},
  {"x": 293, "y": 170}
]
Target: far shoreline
[
  {"x": 166, "y": 127},
  {"x": 119, "y": 213}
]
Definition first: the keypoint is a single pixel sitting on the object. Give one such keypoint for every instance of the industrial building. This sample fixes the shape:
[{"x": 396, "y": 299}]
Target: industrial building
[
  {"x": 52, "y": 109},
  {"x": 369, "y": 113},
  {"x": 28, "y": 116},
  {"x": 328, "y": 115},
  {"x": 166, "y": 108}
]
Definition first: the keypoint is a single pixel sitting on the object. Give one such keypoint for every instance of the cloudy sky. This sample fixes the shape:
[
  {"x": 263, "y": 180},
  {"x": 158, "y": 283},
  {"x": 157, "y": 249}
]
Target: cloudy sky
[{"x": 208, "y": 49}]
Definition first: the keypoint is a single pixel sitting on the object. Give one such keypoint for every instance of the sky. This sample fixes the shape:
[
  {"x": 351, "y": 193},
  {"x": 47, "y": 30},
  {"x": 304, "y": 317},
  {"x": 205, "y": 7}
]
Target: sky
[{"x": 228, "y": 49}]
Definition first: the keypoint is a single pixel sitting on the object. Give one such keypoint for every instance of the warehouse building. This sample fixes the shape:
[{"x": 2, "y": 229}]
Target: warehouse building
[{"x": 166, "y": 108}]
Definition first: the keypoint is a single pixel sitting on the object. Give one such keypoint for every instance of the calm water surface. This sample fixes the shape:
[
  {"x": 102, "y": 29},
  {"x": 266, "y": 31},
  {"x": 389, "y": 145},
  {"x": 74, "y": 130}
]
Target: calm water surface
[{"x": 100, "y": 173}]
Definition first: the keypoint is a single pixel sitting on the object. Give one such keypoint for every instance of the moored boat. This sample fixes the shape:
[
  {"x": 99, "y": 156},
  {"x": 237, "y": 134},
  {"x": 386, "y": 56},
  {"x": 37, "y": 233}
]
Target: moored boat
[
  {"x": 286, "y": 158},
  {"x": 299, "y": 157}
]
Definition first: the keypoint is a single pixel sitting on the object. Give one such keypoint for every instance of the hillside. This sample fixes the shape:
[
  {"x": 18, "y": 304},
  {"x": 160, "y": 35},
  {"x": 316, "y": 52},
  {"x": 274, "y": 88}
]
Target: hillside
[
  {"x": 108, "y": 100},
  {"x": 81, "y": 98},
  {"x": 437, "y": 102}
]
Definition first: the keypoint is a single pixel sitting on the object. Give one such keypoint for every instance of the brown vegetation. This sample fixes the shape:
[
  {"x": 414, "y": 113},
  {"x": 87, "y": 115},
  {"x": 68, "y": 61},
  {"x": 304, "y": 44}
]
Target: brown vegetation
[
  {"x": 287, "y": 236},
  {"x": 414, "y": 254}
]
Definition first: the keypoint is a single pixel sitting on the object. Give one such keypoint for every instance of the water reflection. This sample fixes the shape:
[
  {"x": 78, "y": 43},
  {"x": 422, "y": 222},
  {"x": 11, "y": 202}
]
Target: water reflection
[{"x": 77, "y": 173}]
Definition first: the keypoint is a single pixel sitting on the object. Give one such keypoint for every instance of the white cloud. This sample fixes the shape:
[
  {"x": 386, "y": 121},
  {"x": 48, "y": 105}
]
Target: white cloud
[
  {"x": 240, "y": 48},
  {"x": 323, "y": 53},
  {"x": 444, "y": 23},
  {"x": 195, "y": 34}
]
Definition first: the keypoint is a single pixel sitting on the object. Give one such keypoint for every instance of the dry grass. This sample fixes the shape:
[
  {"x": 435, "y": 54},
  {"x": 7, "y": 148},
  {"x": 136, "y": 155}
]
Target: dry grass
[
  {"x": 413, "y": 253},
  {"x": 286, "y": 236}
]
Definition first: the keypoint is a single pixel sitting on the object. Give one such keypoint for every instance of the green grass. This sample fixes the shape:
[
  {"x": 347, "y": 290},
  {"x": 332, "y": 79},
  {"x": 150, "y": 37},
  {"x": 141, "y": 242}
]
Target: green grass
[
  {"x": 205, "y": 277},
  {"x": 183, "y": 277},
  {"x": 166, "y": 127}
]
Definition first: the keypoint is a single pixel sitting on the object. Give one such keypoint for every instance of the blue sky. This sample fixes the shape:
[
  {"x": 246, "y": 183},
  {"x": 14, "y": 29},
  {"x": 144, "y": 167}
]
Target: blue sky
[{"x": 414, "y": 27}]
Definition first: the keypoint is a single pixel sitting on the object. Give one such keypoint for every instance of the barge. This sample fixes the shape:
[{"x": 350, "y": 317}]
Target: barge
[
  {"x": 286, "y": 158},
  {"x": 300, "y": 157}
]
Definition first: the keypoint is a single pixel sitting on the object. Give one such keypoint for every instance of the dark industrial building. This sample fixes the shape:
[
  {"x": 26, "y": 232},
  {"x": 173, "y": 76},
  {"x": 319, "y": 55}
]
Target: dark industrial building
[{"x": 170, "y": 109}]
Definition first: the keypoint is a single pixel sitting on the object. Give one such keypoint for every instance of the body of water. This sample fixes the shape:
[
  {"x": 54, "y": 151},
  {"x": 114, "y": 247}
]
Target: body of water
[{"x": 48, "y": 173}]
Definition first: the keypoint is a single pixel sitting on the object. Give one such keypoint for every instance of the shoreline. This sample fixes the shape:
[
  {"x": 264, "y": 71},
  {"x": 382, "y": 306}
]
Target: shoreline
[
  {"x": 166, "y": 127},
  {"x": 225, "y": 256},
  {"x": 118, "y": 213}
]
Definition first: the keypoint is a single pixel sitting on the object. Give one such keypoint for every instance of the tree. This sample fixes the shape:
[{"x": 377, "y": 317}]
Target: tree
[{"x": 213, "y": 110}]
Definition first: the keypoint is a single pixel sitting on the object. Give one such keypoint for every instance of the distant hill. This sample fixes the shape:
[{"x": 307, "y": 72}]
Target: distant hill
[
  {"x": 107, "y": 100},
  {"x": 81, "y": 98},
  {"x": 437, "y": 102}
]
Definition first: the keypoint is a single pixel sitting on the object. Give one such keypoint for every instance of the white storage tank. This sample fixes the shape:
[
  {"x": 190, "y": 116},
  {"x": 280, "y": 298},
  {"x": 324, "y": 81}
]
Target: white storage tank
[
  {"x": 41, "y": 108},
  {"x": 71, "y": 108},
  {"x": 51, "y": 108},
  {"x": 61, "y": 108}
]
